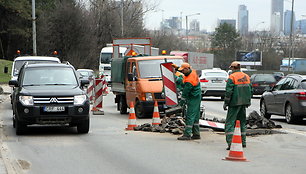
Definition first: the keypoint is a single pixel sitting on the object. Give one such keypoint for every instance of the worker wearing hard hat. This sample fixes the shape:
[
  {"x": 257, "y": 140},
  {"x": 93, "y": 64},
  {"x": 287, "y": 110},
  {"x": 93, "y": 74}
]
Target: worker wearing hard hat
[
  {"x": 237, "y": 98},
  {"x": 191, "y": 96}
]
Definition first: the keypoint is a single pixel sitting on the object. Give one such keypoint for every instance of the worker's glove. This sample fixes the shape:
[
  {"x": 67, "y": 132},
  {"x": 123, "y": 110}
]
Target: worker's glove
[
  {"x": 174, "y": 66},
  {"x": 182, "y": 102},
  {"x": 225, "y": 106}
]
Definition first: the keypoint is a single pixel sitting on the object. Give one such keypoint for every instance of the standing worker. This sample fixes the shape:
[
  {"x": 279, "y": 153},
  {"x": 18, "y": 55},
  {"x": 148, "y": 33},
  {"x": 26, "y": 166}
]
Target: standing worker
[
  {"x": 237, "y": 97},
  {"x": 191, "y": 96}
]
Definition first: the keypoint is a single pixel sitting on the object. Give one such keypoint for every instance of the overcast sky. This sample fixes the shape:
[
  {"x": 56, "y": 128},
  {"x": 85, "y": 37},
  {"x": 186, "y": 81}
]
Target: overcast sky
[{"x": 212, "y": 10}]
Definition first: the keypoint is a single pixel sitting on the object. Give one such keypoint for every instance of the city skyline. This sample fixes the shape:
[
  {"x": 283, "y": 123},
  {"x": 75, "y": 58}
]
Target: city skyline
[{"x": 213, "y": 10}]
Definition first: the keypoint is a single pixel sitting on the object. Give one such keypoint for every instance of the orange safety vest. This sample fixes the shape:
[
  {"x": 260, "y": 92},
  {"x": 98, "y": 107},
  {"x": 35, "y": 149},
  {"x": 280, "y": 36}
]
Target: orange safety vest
[
  {"x": 192, "y": 78},
  {"x": 239, "y": 78}
]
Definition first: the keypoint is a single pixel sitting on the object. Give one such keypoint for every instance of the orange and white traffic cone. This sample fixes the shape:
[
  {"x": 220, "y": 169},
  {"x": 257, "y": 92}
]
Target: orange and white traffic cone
[
  {"x": 236, "y": 151},
  {"x": 156, "y": 117},
  {"x": 132, "y": 118}
]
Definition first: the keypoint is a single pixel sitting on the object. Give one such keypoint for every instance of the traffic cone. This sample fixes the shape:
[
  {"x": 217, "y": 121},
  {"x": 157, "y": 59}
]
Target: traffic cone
[
  {"x": 156, "y": 117},
  {"x": 236, "y": 151},
  {"x": 132, "y": 118}
]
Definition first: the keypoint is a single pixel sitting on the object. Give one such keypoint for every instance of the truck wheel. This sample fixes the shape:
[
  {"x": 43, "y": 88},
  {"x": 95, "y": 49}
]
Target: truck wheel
[
  {"x": 122, "y": 106},
  {"x": 83, "y": 127},
  {"x": 139, "y": 111},
  {"x": 20, "y": 127}
]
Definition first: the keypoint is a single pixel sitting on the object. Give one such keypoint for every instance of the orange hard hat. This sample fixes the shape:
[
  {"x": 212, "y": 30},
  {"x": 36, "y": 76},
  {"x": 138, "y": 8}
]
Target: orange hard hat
[{"x": 184, "y": 65}]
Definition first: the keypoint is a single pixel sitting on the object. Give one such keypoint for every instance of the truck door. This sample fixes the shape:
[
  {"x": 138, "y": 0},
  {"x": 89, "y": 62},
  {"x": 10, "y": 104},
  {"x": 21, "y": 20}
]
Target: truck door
[{"x": 131, "y": 92}]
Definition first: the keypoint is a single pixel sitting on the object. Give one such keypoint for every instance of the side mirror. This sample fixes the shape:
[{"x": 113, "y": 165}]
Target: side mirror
[
  {"x": 84, "y": 82},
  {"x": 13, "y": 83},
  {"x": 130, "y": 77}
]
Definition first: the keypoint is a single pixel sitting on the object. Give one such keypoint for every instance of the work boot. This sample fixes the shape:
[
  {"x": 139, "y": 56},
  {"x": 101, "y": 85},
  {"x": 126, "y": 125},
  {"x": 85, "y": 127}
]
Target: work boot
[
  {"x": 196, "y": 137},
  {"x": 228, "y": 147},
  {"x": 184, "y": 137},
  {"x": 244, "y": 145}
]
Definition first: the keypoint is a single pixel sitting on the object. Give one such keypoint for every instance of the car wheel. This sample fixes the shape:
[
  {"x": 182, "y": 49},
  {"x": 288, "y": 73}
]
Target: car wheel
[
  {"x": 290, "y": 117},
  {"x": 263, "y": 110},
  {"x": 83, "y": 127},
  {"x": 139, "y": 111},
  {"x": 122, "y": 106},
  {"x": 20, "y": 127}
]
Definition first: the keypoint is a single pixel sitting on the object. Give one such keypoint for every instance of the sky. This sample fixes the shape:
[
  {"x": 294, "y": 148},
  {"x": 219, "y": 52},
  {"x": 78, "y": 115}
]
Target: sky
[{"x": 212, "y": 10}]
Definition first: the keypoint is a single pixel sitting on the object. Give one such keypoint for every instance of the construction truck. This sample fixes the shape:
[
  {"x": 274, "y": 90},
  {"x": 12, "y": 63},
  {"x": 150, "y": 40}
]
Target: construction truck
[
  {"x": 137, "y": 78},
  {"x": 197, "y": 61}
]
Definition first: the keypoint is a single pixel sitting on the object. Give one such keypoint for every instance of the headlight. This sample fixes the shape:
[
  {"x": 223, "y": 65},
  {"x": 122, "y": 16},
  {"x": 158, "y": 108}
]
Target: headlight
[
  {"x": 26, "y": 100},
  {"x": 79, "y": 99},
  {"x": 149, "y": 97}
]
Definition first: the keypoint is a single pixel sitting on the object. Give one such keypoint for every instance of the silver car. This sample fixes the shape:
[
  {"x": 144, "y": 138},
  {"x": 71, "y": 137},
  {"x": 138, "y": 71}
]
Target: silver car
[{"x": 287, "y": 98}]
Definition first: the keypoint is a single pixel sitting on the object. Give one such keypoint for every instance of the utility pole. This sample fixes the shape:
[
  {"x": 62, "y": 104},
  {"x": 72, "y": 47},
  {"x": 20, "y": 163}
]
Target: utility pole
[
  {"x": 122, "y": 4},
  {"x": 291, "y": 38},
  {"x": 34, "y": 28}
]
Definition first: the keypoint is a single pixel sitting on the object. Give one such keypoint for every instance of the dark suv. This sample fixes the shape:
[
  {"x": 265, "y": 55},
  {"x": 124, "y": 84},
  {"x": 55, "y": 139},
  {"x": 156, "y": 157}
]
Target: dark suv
[{"x": 49, "y": 94}]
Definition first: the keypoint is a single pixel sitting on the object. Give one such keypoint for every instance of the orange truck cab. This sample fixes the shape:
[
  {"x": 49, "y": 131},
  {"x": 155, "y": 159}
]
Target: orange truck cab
[{"x": 139, "y": 80}]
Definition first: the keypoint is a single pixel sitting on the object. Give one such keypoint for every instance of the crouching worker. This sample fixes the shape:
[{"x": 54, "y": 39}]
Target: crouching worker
[
  {"x": 191, "y": 96},
  {"x": 237, "y": 98}
]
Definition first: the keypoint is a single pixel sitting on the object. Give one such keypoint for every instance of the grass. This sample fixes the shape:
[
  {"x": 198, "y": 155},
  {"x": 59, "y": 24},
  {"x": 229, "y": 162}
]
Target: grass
[{"x": 5, "y": 77}]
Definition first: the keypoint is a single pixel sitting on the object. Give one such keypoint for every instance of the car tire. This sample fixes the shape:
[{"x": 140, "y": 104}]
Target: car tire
[
  {"x": 263, "y": 110},
  {"x": 122, "y": 106},
  {"x": 20, "y": 127},
  {"x": 139, "y": 111},
  {"x": 290, "y": 117},
  {"x": 83, "y": 127}
]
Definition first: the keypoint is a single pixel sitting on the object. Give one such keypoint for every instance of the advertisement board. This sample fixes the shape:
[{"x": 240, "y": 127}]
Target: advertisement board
[{"x": 253, "y": 58}]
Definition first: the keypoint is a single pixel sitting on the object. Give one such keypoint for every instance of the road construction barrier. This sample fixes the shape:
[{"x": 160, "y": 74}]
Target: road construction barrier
[
  {"x": 212, "y": 124},
  {"x": 132, "y": 118},
  {"x": 104, "y": 85},
  {"x": 90, "y": 90},
  {"x": 169, "y": 84},
  {"x": 98, "y": 103},
  {"x": 156, "y": 117},
  {"x": 236, "y": 150}
]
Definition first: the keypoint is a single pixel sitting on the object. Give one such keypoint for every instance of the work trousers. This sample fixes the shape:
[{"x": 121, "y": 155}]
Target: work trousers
[
  {"x": 235, "y": 113},
  {"x": 193, "y": 116}
]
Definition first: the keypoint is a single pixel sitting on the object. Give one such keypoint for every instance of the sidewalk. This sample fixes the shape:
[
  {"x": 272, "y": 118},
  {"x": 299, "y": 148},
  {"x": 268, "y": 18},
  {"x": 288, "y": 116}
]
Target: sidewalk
[{"x": 5, "y": 91}]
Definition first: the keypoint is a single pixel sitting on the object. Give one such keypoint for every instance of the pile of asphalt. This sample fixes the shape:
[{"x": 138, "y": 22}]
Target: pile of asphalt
[{"x": 172, "y": 124}]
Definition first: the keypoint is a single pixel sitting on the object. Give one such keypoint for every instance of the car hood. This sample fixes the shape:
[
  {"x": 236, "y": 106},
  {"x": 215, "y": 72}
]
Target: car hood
[{"x": 51, "y": 90}]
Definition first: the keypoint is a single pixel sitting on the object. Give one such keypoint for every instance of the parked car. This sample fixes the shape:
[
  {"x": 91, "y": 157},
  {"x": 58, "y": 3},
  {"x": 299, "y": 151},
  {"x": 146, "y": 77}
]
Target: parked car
[
  {"x": 49, "y": 94},
  {"x": 262, "y": 82},
  {"x": 278, "y": 75},
  {"x": 287, "y": 98},
  {"x": 213, "y": 82},
  {"x": 87, "y": 74}
]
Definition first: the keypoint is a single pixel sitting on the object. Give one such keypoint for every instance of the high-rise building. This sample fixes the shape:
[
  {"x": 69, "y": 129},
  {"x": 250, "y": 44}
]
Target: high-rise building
[
  {"x": 195, "y": 25},
  {"x": 243, "y": 20},
  {"x": 301, "y": 26},
  {"x": 277, "y": 10},
  {"x": 231, "y": 22},
  {"x": 287, "y": 22}
]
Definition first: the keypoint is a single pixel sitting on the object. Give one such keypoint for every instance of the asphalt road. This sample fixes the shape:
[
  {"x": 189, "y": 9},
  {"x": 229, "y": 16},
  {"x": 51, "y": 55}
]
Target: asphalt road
[{"x": 108, "y": 148}]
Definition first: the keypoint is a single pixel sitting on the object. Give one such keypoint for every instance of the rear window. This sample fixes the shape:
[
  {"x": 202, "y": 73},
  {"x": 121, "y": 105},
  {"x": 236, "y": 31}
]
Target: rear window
[
  {"x": 264, "y": 78},
  {"x": 303, "y": 84}
]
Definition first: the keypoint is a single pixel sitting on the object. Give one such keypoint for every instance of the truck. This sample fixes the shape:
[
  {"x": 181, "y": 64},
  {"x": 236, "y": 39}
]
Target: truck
[
  {"x": 197, "y": 61},
  {"x": 138, "y": 79},
  {"x": 296, "y": 64},
  {"x": 106, "y": 56}
]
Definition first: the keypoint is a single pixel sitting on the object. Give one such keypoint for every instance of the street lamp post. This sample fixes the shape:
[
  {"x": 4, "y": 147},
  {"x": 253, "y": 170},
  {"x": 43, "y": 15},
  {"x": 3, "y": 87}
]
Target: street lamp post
[
  {"x": 34, "y": 28},
  {"x": 291, "y": 38},
  {"x": 187, "y": 28}
]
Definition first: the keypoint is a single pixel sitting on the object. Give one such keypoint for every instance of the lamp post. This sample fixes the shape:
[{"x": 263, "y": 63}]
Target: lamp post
[
  {"x": 34, "y": 28},
  {"x": 291, "y": 38},
  {"x": 187, "y": 27}
]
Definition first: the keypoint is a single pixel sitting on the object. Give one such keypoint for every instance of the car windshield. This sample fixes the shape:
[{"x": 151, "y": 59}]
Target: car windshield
[
  {"x": 215, "y": 74},
  {"x": 151, "y": 68},
  {"x": 106, "y": 57},
  {"x": 49, "y": 76},
  {"x": 18, "y": 64},
  {"x": 264, "y": 78},
  {"x": 303, "y": 83}
]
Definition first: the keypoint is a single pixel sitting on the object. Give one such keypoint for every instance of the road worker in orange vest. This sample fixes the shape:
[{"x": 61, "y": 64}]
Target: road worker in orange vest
[
  {"x": 191, "y": 97},
  {"x": 237, "y": 99}
]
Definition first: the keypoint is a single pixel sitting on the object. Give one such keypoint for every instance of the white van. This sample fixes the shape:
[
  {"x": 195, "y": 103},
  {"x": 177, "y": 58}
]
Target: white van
[{"x": 19, "y": 61}]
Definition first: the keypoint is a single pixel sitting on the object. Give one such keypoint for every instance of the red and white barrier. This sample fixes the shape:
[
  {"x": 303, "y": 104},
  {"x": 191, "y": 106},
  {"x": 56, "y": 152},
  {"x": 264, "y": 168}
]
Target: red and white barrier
[
  {"x": 98, "y": 103},
  {"x": 169, "y": 84},
  {"x": 211, "y": 124},
  {"x": 90, "y": 90}
]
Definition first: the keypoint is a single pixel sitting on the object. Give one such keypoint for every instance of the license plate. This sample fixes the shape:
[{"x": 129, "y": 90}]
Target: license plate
[
  {"x": 54, "y": 108},
  {"x": 217, "y": 81}
]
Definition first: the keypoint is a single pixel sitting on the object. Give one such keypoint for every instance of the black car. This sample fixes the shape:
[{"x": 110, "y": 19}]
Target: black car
[
  {"x": 49, "y": 94},
  {"x": 287, "y": 98},
  {"x": 262, "y": 82}
]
